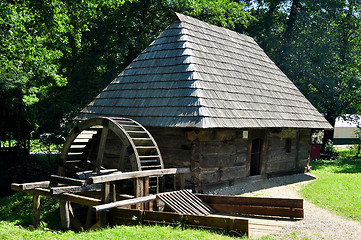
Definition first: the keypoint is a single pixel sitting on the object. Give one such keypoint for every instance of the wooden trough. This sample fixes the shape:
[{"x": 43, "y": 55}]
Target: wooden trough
[{"x": 101, "y": 155}]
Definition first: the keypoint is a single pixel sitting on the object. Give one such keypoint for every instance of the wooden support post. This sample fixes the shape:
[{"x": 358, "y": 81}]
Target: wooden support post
[
  {"x": 36, "y": 210},
  {"x": 181, "y": 182},
  {"x": 146, "y": 192},
  {"x": 101, "y": 148},
  {"x": 88, "y": 222},
  {"x": 174, "y": 182},
  {"x": 157, "y": 190},
  {"x": 139, "y": 190},
  {"x": 64, "y": 214},
  {"x": 105, "y": 199},
  {"x": 114, "y": 193}
]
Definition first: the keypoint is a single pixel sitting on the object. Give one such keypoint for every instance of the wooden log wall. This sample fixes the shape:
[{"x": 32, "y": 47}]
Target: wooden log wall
[
  {"x": 281, "y": 160},
  {"x": 216, "y": 156},
  {"x": 174, "y": 146},
  {"x": 221, "y": 157},
  {"x": 304, "y": 147}
]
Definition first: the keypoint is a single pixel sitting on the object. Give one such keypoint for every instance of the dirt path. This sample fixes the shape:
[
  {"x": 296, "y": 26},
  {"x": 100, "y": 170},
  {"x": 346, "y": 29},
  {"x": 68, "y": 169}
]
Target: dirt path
[{"x": 317, "y": 224}]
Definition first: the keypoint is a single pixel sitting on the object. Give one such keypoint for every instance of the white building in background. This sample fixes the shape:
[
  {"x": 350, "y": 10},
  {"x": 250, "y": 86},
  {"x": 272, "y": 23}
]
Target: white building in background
[{"x": 345, "y": 130}]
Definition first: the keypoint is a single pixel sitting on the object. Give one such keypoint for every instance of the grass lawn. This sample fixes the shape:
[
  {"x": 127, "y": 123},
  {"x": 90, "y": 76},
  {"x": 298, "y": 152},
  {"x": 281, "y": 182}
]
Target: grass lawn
[
  {"x": 338, "y": 186},
  {"x": 11, "y": 231}
]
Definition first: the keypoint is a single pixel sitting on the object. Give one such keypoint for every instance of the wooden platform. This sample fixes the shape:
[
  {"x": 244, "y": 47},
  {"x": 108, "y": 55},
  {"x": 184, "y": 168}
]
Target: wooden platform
[{"x": 258, "y": 227}]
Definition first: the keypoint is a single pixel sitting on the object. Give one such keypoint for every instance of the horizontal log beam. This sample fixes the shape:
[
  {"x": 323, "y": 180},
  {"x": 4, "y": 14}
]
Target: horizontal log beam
[
  {"x": 87, "y": 201},
  {"x": 75, "y": 189},
  {"x": 136, "y": 174},
  {"x": 259, "y": 201},
  {"x": 123, "y": 203},
  {"x": 283, "y": 207},
  {"x": 31, "y": 185},
  {"x": 227, "y": 223},
  {"x": 258, "y": 210},
  {"x": 67, "y": 180}
]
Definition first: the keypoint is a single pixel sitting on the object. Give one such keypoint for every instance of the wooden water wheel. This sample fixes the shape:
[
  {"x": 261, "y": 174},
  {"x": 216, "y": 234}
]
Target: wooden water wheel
[{"x": 102, "y": 144}]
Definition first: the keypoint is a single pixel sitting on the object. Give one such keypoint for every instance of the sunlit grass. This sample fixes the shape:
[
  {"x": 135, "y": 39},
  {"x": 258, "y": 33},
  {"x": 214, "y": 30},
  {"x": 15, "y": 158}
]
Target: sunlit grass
[
  {"x": 11, "y": 231},
  {"x": 338, "y": 186}
]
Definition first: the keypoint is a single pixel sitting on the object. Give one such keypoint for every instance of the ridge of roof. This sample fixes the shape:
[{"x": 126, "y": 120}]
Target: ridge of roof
[{"x": 199, "y": 75}]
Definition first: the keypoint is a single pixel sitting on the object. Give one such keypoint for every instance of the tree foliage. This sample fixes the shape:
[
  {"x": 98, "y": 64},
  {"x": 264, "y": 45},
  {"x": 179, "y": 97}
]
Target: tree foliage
[
  {"x": 61, "y": 53},
  {"x": 317, "y": 45},
  {"x": 57, "y": 55}
]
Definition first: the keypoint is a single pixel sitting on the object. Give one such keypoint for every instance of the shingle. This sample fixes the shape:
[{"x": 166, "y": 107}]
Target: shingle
[{"x": 199, "y": 75}]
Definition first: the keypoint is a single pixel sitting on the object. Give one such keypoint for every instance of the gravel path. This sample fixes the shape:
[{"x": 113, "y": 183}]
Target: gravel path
[{"x": 317, "y": 224}]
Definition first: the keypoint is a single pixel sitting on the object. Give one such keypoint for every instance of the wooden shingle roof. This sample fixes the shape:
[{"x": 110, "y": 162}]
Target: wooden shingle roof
[{"x": 199, "y": 75}]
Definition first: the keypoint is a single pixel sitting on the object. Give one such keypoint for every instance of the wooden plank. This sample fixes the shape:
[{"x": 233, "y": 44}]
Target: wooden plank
[
  {"x": 146, "y": 192},
  {"x": 258, "y": 210},
  {"x": 101, "y": 148},
  {"x": 75, "y": 189},
  {"x": 64, "y": 214},
  {"x": 176, "y": 205},
  {"x": 105, "y": 199},
  {"x": 181, "y": 181},
  {"x": 219, "y": 223},
  {"x": 88, "y": 221},
  {"x": 122, "y": 203},
  {"x": 67, "y": 180},
  {"x": 139, "y": 190},
  {"x": 168, "y": 217},
  {"x": 262, "y": 201},
  {"x": 83, "y": 200},
  {"x": 36, "y": 210},
  {"x": 121, "y": 216},
  {"x": 199, "y": 202},
  {"x": 124, "y": 216},
  {"x": 136, "y": 174},
  {"x": 31, "y": 185}
]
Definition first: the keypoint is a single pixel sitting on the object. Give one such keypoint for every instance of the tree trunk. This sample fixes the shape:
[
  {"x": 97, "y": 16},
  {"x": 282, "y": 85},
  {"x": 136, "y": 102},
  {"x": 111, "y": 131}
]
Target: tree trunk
[{"x": 295, "y": 8}]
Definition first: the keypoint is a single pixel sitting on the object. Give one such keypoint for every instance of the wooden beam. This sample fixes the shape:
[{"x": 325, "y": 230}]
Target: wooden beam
[
  {"x": 31, "y": 185},
  {"x": 227, "y": 223},
  {"x": 136, "y": 174},
  {"x": 123, "y": 203},
  {"x": 105, "y": 199},
  {"x": 67, "y": 180},
  {"x": 87, "y": 201},
  {"x": 146, "y": 192},
  {"x": 75, "y": 189},
  {"x": 88, "y": 221},
  {"x": 260, "y": 201},
  {"x": 64, "y": 214},
  {"x": 101, "y": 148},
  {"x": 259, "y": 210},
  {"x": 255, "y": 206},
  {"x": 36, "y": 210}
]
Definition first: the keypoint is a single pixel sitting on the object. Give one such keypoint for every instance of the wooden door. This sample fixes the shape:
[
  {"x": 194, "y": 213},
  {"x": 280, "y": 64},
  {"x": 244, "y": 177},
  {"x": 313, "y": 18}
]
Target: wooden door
[{"x": 256, "y": 156}]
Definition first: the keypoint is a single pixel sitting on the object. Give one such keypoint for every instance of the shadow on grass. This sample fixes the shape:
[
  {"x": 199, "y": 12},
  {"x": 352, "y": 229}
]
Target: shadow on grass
[{"x": 17, "y": 208}]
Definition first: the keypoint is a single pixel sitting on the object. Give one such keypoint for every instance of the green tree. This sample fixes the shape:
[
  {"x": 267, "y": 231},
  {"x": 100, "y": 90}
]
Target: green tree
[
  {"x": 114, "y": 35},
  {"x": 317, "y": 45}
]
